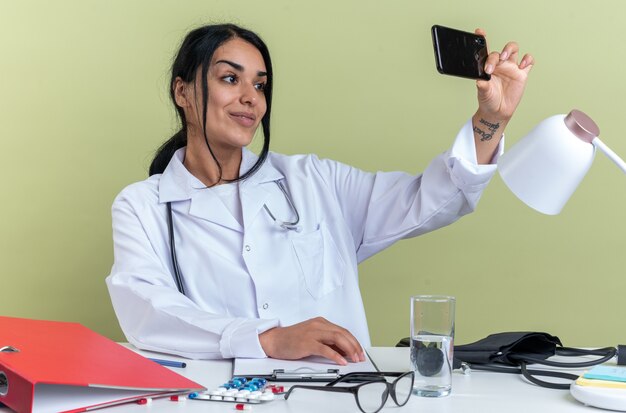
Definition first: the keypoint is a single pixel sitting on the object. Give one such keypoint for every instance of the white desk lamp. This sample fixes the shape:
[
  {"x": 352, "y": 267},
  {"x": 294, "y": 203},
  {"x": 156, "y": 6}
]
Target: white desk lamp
[{"x": 545, "y": 167}]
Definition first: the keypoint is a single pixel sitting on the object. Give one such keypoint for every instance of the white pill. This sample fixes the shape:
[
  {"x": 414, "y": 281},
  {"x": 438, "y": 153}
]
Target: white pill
[
  {"x": 229, "y": 399},
  {"x": 216, "y": 397}
]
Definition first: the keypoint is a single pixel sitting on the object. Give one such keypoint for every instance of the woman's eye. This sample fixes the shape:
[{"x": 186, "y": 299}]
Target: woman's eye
[
  {"x": 260, "y": 86},
  {"x": 230, "y": 79}
]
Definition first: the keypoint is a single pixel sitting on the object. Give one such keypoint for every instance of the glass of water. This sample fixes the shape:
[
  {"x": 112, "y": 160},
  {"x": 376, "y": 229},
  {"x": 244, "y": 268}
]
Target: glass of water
[{"x": 432, "y": 344}]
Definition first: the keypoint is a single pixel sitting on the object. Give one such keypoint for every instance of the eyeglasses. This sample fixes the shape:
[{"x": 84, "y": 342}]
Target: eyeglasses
[{"x": 374, "y": 390}]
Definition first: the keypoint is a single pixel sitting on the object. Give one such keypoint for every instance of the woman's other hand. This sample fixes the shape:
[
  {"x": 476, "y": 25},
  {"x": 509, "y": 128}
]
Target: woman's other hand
[{"x": 314, "y": 337}]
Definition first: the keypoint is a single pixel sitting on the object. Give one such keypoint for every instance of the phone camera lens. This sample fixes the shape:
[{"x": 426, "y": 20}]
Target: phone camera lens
[{"x": 480, "y": 41}]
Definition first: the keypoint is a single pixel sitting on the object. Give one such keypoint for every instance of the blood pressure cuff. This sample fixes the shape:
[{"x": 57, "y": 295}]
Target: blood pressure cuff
[
  {"x": 504, "y": 348},
  {"x": 511, "y": 352},
  {"x": 507, "y": 348}
]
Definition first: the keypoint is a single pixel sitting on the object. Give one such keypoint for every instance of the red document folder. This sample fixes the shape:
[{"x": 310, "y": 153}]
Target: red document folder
[{"x": 65, "y": 367}]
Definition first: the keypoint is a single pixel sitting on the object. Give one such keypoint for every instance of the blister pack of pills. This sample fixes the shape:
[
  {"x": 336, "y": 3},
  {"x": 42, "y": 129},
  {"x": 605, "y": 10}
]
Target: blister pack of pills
[{"x": 241, "y": 390}]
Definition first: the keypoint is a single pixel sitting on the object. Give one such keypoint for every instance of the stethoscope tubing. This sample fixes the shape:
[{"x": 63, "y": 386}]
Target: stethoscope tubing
[{"x": 288, "y": 226}]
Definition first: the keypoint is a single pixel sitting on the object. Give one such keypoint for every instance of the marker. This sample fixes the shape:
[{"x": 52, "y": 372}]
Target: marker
[{"x": 169, "y": 363}]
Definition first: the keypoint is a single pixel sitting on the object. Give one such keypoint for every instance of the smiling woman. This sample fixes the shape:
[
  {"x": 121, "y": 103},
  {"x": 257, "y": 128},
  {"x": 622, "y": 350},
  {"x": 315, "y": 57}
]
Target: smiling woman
[
  {"x": 209, "y": 56},
  {"x": 269, "y": 244},
  {"x": 236, "y": 104}
]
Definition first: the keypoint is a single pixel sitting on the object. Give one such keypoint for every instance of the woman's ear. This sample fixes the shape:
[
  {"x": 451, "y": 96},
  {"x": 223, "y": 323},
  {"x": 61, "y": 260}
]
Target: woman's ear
[{"x": 181, "y": 93}]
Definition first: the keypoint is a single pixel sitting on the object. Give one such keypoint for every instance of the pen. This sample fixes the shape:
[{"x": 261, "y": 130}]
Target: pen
[{"x": 169, "y": 363}]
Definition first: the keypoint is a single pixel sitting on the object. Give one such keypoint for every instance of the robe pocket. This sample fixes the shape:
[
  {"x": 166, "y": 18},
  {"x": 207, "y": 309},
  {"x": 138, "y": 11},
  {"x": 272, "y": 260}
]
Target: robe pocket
[{"x": 321, "y": 264}]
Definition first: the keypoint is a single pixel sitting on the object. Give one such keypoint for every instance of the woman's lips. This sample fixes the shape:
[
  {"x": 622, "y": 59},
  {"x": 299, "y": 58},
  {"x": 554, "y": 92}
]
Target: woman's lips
[{"x": 243, "y": 118}]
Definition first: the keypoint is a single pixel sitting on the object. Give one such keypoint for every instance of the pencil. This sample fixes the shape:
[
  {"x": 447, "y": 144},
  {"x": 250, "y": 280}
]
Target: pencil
[{"x": 169, "y": 363}]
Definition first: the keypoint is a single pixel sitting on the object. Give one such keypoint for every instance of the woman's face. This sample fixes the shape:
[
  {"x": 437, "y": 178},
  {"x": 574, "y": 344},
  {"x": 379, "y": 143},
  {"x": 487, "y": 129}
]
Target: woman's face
[{"x": 236, "y": 102}]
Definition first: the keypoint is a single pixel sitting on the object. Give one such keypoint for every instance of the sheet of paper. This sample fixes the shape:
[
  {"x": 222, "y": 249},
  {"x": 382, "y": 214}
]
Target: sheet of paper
[
  {"x": 52, "y": 398},
  {"x": 251, "y": 367}
]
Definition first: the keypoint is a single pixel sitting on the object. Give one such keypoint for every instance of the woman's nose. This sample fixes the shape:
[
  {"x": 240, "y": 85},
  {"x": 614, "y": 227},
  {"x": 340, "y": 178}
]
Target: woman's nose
[{"x": 249, "y": 95}]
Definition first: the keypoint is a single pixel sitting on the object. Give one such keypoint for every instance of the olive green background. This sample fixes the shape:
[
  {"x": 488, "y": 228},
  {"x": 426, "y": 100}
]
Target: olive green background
[{"x": 83, "y": 105}]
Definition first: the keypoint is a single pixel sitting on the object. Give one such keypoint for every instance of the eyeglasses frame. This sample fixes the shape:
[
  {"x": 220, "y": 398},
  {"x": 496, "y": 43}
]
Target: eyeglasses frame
[{"x": 365, "y": 378}]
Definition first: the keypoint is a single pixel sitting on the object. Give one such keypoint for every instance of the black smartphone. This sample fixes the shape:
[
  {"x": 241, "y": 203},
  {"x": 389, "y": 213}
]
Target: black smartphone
[{"x": 460, "y": 53}]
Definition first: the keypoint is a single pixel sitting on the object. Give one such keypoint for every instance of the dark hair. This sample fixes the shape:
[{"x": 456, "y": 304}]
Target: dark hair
[{"x": 195, "y": 52}]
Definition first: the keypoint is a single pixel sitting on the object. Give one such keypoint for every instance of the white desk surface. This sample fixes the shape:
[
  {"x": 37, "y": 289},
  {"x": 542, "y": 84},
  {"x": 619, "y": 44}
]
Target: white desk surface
[{"x": 480, "y": 392}]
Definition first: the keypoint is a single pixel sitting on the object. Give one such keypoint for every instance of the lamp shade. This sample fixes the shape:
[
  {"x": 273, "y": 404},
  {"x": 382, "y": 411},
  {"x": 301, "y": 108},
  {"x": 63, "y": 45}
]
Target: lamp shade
[{"x": 545, "y": 167}]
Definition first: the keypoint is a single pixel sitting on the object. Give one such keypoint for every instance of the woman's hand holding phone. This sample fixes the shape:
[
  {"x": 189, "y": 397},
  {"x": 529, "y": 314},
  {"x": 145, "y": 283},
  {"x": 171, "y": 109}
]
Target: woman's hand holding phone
[
  {"x": 465, "y": 54},
  {"x": 500, "y": 80},
  {"x": 498, "y": 98}
]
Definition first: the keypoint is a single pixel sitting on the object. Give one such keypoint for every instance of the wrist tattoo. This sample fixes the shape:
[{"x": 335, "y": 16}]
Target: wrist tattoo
[{"x": 491, "y": 129}]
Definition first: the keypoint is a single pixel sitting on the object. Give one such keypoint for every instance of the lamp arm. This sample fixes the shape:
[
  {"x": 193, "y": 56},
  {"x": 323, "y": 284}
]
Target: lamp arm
[{"x": 609, "y": 153}]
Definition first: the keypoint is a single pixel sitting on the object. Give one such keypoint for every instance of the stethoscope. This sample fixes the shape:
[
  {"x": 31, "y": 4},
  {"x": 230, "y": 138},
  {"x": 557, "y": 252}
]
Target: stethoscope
[
  {"x": 292, "y": 226},
  {"x": 286, "y": 225}
]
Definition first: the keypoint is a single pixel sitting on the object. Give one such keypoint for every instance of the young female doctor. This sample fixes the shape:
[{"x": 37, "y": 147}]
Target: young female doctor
[{"x": 223, "y": 253}]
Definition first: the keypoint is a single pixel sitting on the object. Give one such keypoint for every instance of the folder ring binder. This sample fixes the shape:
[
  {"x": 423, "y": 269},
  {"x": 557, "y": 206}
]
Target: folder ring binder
[
  {"x": 4, "y": 384},
  {"x": 4, "y": 380}
]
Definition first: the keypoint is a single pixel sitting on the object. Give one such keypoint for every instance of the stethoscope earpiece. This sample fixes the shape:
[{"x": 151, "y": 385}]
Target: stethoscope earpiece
[{"x": 289, "y": 226}]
